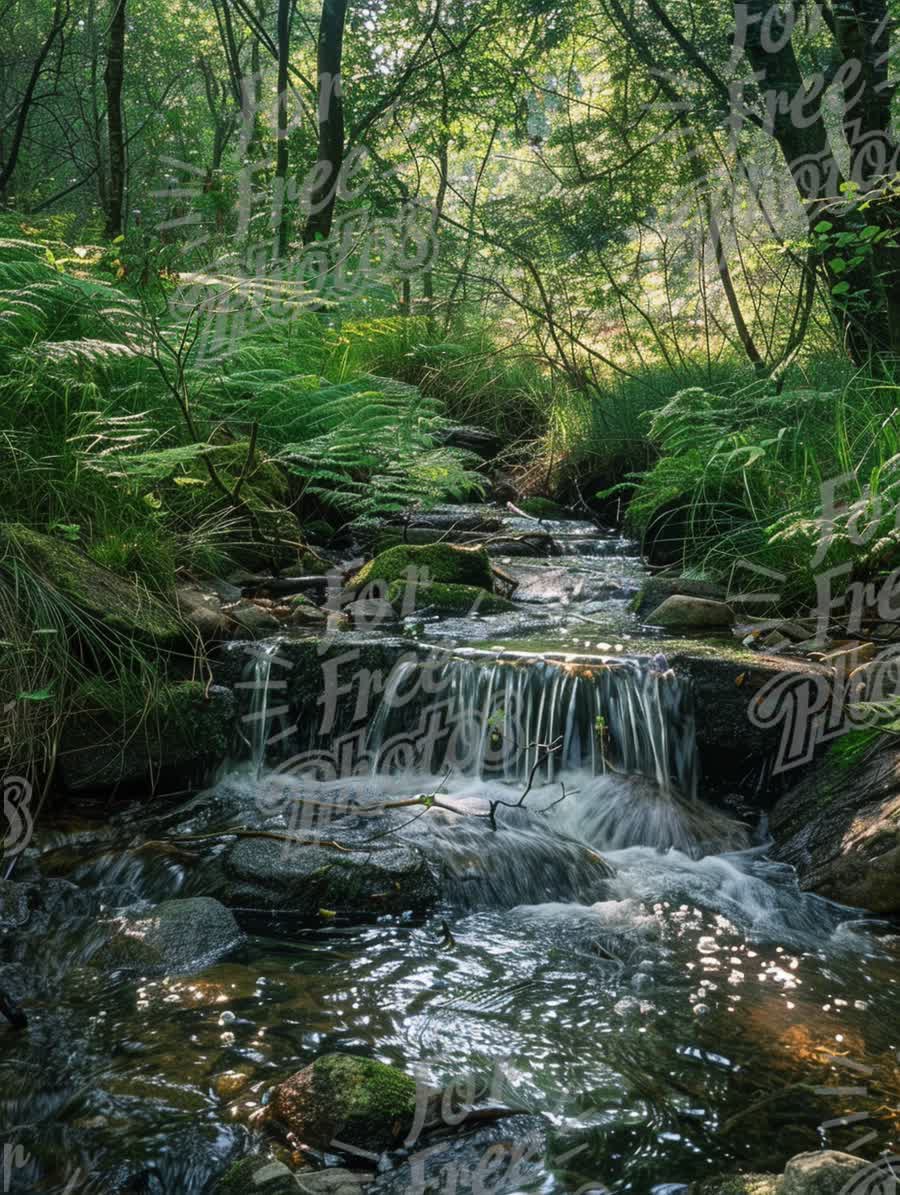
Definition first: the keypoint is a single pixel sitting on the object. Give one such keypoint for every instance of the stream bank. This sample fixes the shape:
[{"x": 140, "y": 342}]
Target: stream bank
[{"x": 618, "y": 960}]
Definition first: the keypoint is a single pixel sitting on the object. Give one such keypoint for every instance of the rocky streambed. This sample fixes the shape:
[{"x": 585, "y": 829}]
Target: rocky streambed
[{"x": 483, "y": 895}]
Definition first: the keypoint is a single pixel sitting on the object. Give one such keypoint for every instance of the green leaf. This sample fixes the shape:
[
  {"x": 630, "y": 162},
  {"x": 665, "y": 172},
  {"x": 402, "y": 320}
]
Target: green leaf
[
  {"x": 37, "y": 695},
  {"x": 840, "y": 288},
  {"x": 823, "y": 226},
  {"x": 837, "y": 265}
]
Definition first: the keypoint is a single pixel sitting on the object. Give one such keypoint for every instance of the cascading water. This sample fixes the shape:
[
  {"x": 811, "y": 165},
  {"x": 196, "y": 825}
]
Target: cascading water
[
  {"x": 676, "y": 1017},
  {"x": 513, "y": 719},
  {"x": 264, "y": 706}
]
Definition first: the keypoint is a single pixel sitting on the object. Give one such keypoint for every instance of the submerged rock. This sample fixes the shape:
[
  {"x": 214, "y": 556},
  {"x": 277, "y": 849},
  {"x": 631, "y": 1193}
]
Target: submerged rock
[
  {"x": 343, "y": 1100},
  {"x": 507, "y": 1155},
  {"x": 739, "y": 1184},
  {"x": 691, "y": 613},
  {"x": 840, "y": 828},
  {"x": 176, "y": 937},
  {"x": 444, "y": 563}
]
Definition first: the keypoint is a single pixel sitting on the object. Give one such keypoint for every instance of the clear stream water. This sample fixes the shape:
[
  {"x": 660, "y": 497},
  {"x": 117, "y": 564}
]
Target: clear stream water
[{"x": 692, "y": 1014}]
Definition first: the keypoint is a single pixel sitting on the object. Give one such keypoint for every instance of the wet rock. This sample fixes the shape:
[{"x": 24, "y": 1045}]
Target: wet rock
[
  {"x": 655, "y": 590},
  {"x": 343, "y": 1100},
  {"x": 824, "y": 1172},
  {"x": 253, "y": 620},
  {"x": 840, "y": 828},
  {"x": 175, "y": 745},
  {"x": 371, "y": 612},
  {"x": 740, "y": 702},
  {"x": 176, "y": 937},
  {"x": 14, "y": 905},
  {"x": 257, "y": 1176},
  {"x": 304, "y": 614},
  {"x": 739, "y": 1184},
  {"x": 691, "y": 613},
  {"x": 507, "y": 1155},
  {"x": 525, "y": 543},
  {"x": 444, "y": 563},
  {"x": 384, "y": 877},
  {"x": 203, "y": 611}
]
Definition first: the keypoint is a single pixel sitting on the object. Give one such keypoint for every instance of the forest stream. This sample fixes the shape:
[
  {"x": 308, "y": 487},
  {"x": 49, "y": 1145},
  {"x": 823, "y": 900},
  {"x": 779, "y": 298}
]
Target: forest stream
[{"x": 608, "y": 952}]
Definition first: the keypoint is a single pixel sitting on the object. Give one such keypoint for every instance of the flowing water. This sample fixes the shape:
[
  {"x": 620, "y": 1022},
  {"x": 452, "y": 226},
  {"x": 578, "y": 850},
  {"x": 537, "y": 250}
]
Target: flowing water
[{"x": 610, "y": 953}]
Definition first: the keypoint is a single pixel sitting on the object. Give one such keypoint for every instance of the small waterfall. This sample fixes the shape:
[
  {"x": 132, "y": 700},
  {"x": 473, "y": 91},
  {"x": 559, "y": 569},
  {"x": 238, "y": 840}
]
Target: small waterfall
[
  {"x": 264, "y": 705},
  {"x": 497, "y": 718}
]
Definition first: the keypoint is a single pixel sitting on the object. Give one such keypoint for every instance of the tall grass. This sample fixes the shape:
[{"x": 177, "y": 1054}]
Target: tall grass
[{"x": 773, "y": 488}]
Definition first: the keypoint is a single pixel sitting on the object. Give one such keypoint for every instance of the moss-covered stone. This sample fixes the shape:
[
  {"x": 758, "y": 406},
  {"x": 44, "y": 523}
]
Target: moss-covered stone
[
  {"x": 101, "y": 595},
  {"x": 136, "y": 743},
  {"x": 257, "y": 1176},
  {"x": 344, "y": 1099},
  {"x": 544, "y": 508},
  {"x": 446, "y": 599},
  {"x": 443, "y": 563}
]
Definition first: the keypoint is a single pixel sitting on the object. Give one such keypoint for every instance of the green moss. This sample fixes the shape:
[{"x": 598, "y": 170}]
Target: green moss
[
  {"x": 123, "y": 730},
  {"x": 544, "y": 508},
  {"x": 114, "y": 601},
  {"x": 441, "y": 563},
  {"x": 449, "y": 599},
  {"x": 309, "y": 565},
  {"x": 376, "y": 1097},
  {"x": 245, "y": 1178},
  {"x": 149, "y": 555}
]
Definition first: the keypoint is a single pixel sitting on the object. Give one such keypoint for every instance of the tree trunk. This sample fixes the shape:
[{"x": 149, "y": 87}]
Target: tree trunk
[
  {"x": 114, "y": 78},
  {"x": 280, "y": 214},
  {"x": 860, "y": 26},
  {"x": 8, "y": 165},
  {"x": 323, "y": 195}
]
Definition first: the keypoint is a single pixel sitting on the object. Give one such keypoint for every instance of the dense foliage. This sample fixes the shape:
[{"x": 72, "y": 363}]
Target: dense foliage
[{"x": 260, "y": 258}]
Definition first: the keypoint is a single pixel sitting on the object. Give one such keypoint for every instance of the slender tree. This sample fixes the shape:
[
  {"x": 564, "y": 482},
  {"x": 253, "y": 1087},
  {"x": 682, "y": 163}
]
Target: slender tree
[
  {"x": 329, "y": 60},
  {"x": 19, "y": 119},
  {"x": 115, "y": 120}
]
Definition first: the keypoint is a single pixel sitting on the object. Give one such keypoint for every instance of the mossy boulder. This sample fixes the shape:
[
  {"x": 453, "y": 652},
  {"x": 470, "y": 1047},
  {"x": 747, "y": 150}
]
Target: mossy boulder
[
  {"x": 342, "y": 1099},
  {"x": 443, "y": 563},
  {"x": 103, "y": 597},
  {"x": 446, "y": 599},
  {"x": 544, "y": 508},
  {"x": 138, "y": 744}
]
